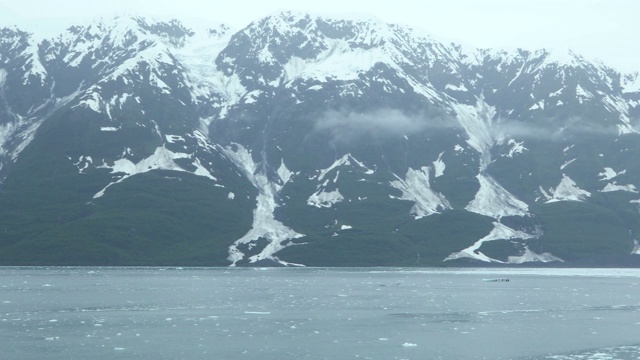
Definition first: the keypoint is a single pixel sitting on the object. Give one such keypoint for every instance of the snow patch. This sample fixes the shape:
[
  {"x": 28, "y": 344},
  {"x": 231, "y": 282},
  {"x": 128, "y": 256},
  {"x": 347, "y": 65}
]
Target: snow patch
[
  {"x": 284, "y": 173},
  {"x": 252, "y": 97},
  {"x": 495, "y": 201},
  {"x": 161, "y": 159},
  {"x": 538, "y": 105},
  {"x": 174, "y": 138},
  {"x": 346, "y": 160},
  {"x": 264, "y": 225},
  {"x": 491, "y": 199},
  {"x": 83, "y": 163},
  {"x": 636, "y": 248},
  {"x": 340, "y": 61},
  {"x": 478, "y": 122},
  {"x": 439, "y": 166},
  {"x": 460, "y": 87},
  {"x": 609, "y": 174},
  {"x": 92, "y": 101},
  {"x": 626, "y": 129},
  {"x": 615, "y": 187},
  {"x": 202, "y": 75},
  {"x": 324, "y": 199},
  {"x": 567, "y": 190},
  {"x": 631, "y": 84},
  {"x": 23, "y": 129},
  {"x": 109, "y": 128},
  {"x": 416, "y": 187},
  {"x": 202, "y": 171},
  {"x": 530, "y": 256},
  {"x": 582, "y": 93},
  {"x": 499, "y": 232},
  {"x": 36, "y": 68},
  {"x": 516, "y": 148}
]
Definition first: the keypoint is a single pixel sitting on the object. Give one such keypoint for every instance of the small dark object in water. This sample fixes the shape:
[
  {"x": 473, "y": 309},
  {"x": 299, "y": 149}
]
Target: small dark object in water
[{"x": 497, "y": 280}]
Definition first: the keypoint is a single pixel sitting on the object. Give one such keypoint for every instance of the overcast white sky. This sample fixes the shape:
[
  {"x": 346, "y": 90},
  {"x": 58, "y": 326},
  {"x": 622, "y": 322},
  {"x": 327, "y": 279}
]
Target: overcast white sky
[{"x": 604, "y": 29}]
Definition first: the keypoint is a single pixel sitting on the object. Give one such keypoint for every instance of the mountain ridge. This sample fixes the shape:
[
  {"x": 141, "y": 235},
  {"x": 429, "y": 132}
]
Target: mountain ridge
[{"x": 333, "y": 129}]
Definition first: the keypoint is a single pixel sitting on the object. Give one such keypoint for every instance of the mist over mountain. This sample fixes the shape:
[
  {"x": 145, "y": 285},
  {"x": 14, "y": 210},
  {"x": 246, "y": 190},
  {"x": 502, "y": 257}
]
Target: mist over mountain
[{"x": 310, "y": 140}]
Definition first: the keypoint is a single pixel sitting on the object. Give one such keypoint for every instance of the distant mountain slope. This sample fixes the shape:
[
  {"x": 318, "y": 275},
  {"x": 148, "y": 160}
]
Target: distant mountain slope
[{"x": 309, "y": 140}]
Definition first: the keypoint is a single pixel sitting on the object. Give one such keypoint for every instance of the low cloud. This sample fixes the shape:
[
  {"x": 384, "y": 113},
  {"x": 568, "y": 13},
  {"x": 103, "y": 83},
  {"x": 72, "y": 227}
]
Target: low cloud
[
  {"x": 557, "y": 130},
  {"x": 345, "y": 126}
]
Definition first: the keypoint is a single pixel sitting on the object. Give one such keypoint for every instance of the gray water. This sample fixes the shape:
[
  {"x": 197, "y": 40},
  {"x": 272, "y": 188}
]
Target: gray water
[{"x": 222, "y": 313}]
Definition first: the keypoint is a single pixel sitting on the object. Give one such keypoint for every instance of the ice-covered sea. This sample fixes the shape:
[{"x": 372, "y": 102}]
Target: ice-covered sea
[{"x": 307, "y": 313}]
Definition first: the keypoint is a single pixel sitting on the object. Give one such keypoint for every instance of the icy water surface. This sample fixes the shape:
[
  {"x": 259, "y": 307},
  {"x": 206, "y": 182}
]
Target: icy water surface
[{"x": 220, "y": 313}]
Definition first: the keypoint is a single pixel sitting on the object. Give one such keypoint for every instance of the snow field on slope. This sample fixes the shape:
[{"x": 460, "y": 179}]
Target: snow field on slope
[{"x": 264, "y": 225}]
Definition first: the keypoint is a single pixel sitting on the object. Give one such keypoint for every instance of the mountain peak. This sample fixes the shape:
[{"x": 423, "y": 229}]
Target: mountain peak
[{"x": 563, "y": 57}]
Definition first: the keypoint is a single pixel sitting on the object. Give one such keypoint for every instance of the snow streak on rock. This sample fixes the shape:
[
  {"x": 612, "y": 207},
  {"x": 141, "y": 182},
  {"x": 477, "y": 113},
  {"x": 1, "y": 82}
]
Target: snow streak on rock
[
  {"x": 264, "y": 226},
  {"x": 477, "y": 122},
  {"x": 416, "y": 187},
  {"x": 3, "y": 77},
  {"x": 23, "y": 128},
  {"x": 492, "y": 199},
  {"x": 567, "y": 163}
]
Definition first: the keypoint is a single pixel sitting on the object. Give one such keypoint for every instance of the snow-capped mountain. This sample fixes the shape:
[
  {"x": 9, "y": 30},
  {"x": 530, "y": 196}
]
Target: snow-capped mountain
[{"x": 310, "y": 140}]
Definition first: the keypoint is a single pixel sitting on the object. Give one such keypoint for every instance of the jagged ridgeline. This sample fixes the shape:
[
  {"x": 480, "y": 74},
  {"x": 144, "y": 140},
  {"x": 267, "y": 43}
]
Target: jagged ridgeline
[{"x": 306, "y": 140}]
